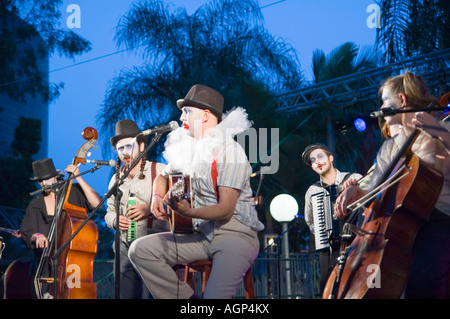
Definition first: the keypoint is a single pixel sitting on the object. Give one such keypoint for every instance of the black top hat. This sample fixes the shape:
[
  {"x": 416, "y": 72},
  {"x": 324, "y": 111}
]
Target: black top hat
[
  {"x": 43, "y": 169},
  {"x": 127, "y": 128},
  {"x": 312, "y": 147},
  {"x": 203, "y": 97}
]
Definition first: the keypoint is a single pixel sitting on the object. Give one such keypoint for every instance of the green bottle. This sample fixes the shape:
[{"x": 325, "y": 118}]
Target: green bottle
[{"x": 131, "y": 231}]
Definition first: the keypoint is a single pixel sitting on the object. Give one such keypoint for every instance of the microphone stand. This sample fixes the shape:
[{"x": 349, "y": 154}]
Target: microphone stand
[
  {"x": 113, "y": 190},
  {"x": 395, "y": 111},
  {"x": 55, "y": 185},
  {"x": 259, "y": 187}
]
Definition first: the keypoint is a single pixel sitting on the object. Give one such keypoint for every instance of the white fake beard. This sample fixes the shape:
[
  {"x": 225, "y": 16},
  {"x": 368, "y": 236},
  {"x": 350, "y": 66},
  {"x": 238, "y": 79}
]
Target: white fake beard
[{"x": 194, "y": 157}]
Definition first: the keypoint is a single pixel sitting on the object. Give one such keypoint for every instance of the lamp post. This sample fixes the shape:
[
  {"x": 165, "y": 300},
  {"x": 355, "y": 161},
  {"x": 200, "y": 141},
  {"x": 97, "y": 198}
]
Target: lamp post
[{"x": 283, "y": 209}]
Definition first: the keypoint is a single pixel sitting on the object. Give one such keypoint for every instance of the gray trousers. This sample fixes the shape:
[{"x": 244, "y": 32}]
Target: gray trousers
[{"x": 232, "y": 250}]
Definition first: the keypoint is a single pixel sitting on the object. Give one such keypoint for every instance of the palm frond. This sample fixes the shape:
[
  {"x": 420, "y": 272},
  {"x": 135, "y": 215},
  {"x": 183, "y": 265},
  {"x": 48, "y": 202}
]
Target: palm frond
[
  {"x": 223, "y": 44},
  {"x": 410, "y": 28},
  {"x": 343, "y": 60},
  {"x": 394, "y": 22}
]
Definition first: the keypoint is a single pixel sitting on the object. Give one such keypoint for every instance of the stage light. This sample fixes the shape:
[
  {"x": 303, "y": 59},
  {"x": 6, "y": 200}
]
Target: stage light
[{"x": 360, "y": 124}]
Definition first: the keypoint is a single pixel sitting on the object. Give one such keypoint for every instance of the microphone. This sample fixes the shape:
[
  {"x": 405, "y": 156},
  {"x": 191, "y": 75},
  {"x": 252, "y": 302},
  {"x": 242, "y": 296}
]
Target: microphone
[
  {"x": 161, "y": 128},
  {"x": 60, "y": 176},
  {"x": 384, "y": 112},
  {"x": 110, "y": 163},
  {"x": 390, "y": 110},
  {"x": 262, "y": 171}
]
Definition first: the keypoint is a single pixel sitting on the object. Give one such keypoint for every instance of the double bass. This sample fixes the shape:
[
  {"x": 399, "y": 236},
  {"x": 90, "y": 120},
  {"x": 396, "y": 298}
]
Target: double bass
[
  {"x": 73, "y": 276},
  {"x": 376, "y": 263}
]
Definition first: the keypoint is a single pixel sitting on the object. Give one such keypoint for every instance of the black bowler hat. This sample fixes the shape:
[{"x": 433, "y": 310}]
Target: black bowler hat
[
  {"x": 43, "y": 169},
  {"x": 203, "y": 97},
  {"x": 308, "y": 150},
  {"x": 127, "y": 128}
]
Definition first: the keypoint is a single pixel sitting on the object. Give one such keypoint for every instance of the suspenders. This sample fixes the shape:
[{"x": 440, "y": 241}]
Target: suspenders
[{"x": 153, "y": 172}]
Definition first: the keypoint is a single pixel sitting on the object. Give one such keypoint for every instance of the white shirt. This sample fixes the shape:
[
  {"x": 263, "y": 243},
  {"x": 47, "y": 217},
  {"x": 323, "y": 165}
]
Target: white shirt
[
  {"x": 313, "y": 189},
  {"x": 142, "y": 190},
  {"x": 425, "y": 148}
]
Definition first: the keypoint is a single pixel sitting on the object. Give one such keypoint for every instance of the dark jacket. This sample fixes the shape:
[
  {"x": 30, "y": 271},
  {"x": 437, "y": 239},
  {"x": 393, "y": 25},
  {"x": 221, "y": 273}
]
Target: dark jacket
[{"x": 37, "y": 220}]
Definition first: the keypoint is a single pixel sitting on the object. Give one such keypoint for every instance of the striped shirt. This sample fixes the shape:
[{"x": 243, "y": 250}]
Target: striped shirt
[{"x": 233, "y": 171}]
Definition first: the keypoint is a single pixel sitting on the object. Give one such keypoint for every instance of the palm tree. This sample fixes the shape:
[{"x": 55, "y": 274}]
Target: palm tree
[
  {"x": 343, "y": 60},
  {"x": 411, "y": 28},
  {"x": 224, "y": 44}
]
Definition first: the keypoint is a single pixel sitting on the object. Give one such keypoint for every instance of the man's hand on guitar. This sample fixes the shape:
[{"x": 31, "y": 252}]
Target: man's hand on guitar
[
  {"x": 158, "y": 208},
  {"x": 181, "y": 206}
]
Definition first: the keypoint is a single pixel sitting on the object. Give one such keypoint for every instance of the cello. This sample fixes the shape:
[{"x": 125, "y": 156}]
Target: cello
[
  {"x": 377, "y": 262},
  {"x": 75, "y": 264}
]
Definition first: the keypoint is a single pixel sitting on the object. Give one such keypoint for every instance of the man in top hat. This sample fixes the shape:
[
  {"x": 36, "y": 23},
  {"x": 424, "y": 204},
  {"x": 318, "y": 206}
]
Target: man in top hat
[
  {"x": 40, "y": 212},
  {"x": 225, "y": 222},
  {"x": 138, "y": 184},
  {"x": 319, "y": 200}
]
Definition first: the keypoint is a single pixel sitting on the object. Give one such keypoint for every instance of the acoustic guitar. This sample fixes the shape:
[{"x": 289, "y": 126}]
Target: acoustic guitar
[{"x": 180, "y": 188}]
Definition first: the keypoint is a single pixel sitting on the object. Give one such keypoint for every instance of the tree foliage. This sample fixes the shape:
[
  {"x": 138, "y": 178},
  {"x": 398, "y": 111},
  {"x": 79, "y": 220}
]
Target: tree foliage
[
  {"x": 223, "y": 44},
  {"x": 17, "y": 169},
  {"x": 28, "y": 34},
  {"x": 409, "y": 28},
  {"x": 344, "y": 60}
]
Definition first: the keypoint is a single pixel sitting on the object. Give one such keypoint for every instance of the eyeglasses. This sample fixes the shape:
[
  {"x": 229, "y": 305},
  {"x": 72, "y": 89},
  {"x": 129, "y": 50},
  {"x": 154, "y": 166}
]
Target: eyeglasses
[
  {"x": 319, "y": 157},
  {"x": 128, "y": 147}
]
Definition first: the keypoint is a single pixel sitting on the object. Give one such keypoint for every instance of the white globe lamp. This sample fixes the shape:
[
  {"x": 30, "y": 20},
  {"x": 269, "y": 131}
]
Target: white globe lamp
[{"x": 283, "y": 209}]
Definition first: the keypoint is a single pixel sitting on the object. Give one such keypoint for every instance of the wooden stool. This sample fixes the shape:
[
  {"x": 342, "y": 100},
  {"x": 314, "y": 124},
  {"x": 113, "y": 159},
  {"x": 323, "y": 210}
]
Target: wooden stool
[{"x": 204, "y": 267}]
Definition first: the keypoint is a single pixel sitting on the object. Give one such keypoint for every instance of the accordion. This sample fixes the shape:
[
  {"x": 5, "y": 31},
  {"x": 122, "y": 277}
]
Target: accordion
[{"x": 326, "y": 228}]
